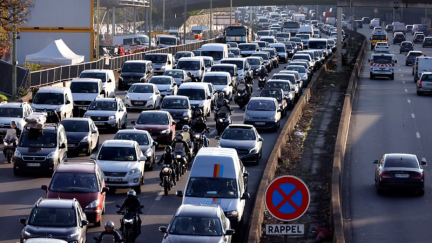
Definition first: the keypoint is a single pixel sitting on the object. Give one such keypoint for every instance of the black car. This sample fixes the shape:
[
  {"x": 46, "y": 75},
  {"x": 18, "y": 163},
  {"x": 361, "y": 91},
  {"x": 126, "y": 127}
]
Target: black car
[
  {"x": 290, "y": 49},
  {"x": 62, "y": 219},
  {"x": 255, "y": 63},
  {"x": 82, "y": 135},
  {"x": 279, "y": 95},
  {"x": 408, "y": 28},
  {"x": 406, "y": 46},
  {"x": 273, "y": 56},
  {"x": 418, "y": 38},
  {"x": 399, "y": 171},
  {"x": 427, "y": 42},
  {"x": 411, "y": 57},
  {"x": 389, "y": 28},
  {"x": 398, "y": 37},
  {"x": 366, "y": 20},
  {"x": 179, "y": 108}
]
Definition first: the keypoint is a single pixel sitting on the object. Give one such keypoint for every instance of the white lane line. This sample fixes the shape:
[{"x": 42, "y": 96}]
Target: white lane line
[
  {"x": 418, "y": 134},
  {"x": 159, "y": 196},
  {"x": 409, "y": 101},
  {"x": 406, "y": 90},
  {"x": 403, "y": 81},
  {"x": 412, "y": 115},
  {"x": 401, "y": 75}
]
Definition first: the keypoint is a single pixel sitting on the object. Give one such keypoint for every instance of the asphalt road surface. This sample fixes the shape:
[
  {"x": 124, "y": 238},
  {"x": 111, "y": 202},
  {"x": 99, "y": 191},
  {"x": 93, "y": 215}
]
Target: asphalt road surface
[
  {"x": 388, "y": 116},
  {"x": 18, "y": 194}
]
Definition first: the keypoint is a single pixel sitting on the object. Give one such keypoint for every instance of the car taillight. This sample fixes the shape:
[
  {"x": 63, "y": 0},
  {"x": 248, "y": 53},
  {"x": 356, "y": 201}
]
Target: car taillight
[
  {"x": 420, "y": 83},
  {"x": 384, "y": 175},
  {"x": 418, "y": 176}
]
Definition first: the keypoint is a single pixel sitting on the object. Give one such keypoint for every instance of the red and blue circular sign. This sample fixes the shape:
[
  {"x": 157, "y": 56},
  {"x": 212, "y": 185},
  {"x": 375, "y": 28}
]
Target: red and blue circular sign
[{"x": 287, "y": 198}]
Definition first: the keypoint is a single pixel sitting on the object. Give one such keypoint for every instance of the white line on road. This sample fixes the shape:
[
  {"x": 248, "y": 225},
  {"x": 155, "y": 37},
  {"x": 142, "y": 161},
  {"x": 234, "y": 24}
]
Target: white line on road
[
  {"x": 401, "y": 75},
  {"x": 412, "y": 115},
  {"x": 159, "y": 196},
  {"x": 409, "y": 101},
  {"x": 403, "y": 81},
  {"x": 406, "y": 90},
  {"x": 418, "y": 134}
]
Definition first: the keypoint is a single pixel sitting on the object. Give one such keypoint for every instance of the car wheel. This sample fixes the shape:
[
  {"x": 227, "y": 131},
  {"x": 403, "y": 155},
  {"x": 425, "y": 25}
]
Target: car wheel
[
  {"x": 379, "y": 189},
  {"x": 117, "y": 127},
  {"x": 138, "y": 188},
  {"x": 421, "y": 191},
  {"x": 97, "y": 144},
  {"x": 406, "y": 63},
  {"x": 16, "y": 172}
]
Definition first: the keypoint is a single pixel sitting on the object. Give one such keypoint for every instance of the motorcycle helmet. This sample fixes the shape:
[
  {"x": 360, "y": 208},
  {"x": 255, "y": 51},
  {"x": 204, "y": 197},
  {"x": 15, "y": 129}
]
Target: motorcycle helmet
[
  {"x": 185, "y": 128},
  {"x": 168, "y": 149},
  {"x": 109, "y": 225},
  {"x": 131, "y": 194},
  {"x": 221, "y": 95},
  {"x": 242, "y": 81},
  {"x": 13, "y": 123},
  {"x": 200, "y": 120},
  {"x": 199, "y": 112},
  {"x": 179, "y": 136},
  {"x": 247, "y": 74},
  {"x": 225, "y": 102}
]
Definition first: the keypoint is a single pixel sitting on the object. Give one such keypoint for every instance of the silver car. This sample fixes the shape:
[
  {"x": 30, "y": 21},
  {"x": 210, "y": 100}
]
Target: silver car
[
  {"x": 263, "y": 112},
  {"x": 108, "y": 113},
  {"x": 179, "y": 75},
  {"x": 424, "y": 84}
]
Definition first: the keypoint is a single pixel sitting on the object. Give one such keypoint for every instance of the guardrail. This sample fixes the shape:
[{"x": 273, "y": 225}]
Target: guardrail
[
  {"x": 340, "y": 146},
  {"x": 65, "y": 73}
]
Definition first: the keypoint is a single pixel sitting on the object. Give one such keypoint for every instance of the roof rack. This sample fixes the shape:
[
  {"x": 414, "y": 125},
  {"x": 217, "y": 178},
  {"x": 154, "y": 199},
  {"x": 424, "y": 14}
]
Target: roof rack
[
  {"x": 36, "y": 120},
  {"x": 38, "y": 202}
]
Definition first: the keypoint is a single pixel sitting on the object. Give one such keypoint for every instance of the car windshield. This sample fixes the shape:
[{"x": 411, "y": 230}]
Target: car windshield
[
  {"x": 317, "y": 45},
  {"x": 288, "y": 46},
  {"x": 195, "y": 225},
  {"x": 103, "y": 105},
  {"x": 234, "y": 51},
  {"x": 263, "y": 55},
  {"x": 160, "y": 80},
  {"x": 295, "y": 39},
  {"x": 48, "y": 99},
  {"x": 83, "y": 87},
  {"x": 379, "y": 37},
  {"x": 279, "y": 49},
  {"x": 179, "y": 55},
  {"x": 174, "y": 74},
  {"x": 117, "y": 154},
  {"x": 167, "y": 40},
  {"x": 285, "y": 86},
  {"x": 74, "y": 182},
  {"x": 263, "y": 32},
  {"x": 271, "y": 51},
  {"x": 235, "y": 31},
  {"x": 188, "y": 65},
  {"x": 156, "y": 58},
  {"x": 239, "y": 134},
  {"x": 213, "y": 187},
  {"x": 406, "y": 44},
  {"x": 303, "y": 37},
  {"x": 217, "y": 55},
  {"x": 100, "y": 76},
  {"x": 238, "y": 63},
  {"x": 216, "y": 80},
  {"x": 192, "y": 94},
  {"x": 207, "y": 63},
  {"x": 75, "y": 126},
  {"x": 140, "y": 89},
  {"x": 53, "y": 217},
  {"x": 399, "y": 162},
  {"x": 269, "y": 40},
  {"x": 298, "y": 69},
  {"x": 133, "y": 68},
  {"x": 34, "y": 139},
  {"x": 291, "y": 78},
  {"x": 301, "y": 57},
  {"x": 11, "y": 112},
  {"x": 140, "y": 138},
  {"x": 382, "y": 59},
  {"x": 272, "y": 93},
  {"x": 223, "y": 69},
  {"x": 253, "y": 61},
  {"x": 330, "y": 42},
  {"x": 426, "y": 77},
  {"x": 247, "y": 47},
  {"x": 175, "y": 104},
  {"x": 261, "y": 43},
  {"x": 261, "y": 105},
  {"x": 153, "y": 118}
]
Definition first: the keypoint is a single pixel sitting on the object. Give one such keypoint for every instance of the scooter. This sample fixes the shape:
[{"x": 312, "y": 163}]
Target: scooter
[
  {"x": 199, "y": 140},
  {"x": 8, "y": 143},
  {"x": 130, "y": 220},
  {"x": 167, "y": 182},
  {"x": 261, "y": 82},
  {"x": 242, "y": 97},
  {"x": 107, "y": 239},
  {"x": 223, "y": 119}
]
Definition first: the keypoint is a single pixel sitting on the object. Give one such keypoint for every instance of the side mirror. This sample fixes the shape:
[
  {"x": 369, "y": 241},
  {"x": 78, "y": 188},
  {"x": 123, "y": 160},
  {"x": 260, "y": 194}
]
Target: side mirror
[
  {"x": 174, "y": 122},
  {"x": 245, "y": 174},
  {"x": 105, "y": 189},
  {"x": 119, "y": 71},
  {"x": 158, "y": 107},
  {"x": 155, "y": 144},
  {"x": 261, "y": 139},
  {"x": 169, "y": 62},
  {"x": 44, "y": 187},
  {"x": 68, "y": 102},
  {"x": 84, "y": 222},
  {"x": 133, "y": 123},
  {"x": 202, "y": 68},
  {"x": 23, "y": 221},
  {"x": 93, "y": 156},
  {"x": 102, "y": 92},
  {"x": 94, "y": 131},
  {"x": 217, "y": 137},
  {"x": 143, "y": 158},
  {"x": 245, "y": 195},
  {"x": 279, "y": 110},
  {"x": 109, "y": 81},
  {"x": 121, "y": 109},
  {"x": 31, "y": 100},
  {"x": 423, "y": 163},
  {"x": 179, "y": 193},
  {"x": 208, "y": 97},
  {"x": 63, "y": 146},
  {"x": 395, "y": 61},
  {"x": 163, "y": 229},
  {"x": 375, "y": 161},
  {"x": 298, "y": 82},
  {"x": 229, "y": 232}
]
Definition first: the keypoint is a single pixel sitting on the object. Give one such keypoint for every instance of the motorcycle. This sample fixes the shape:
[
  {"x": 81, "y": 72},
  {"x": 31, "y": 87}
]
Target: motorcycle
[
  {"x": 223, "y": 119},
  {"x": 218, "y": 103},
  {"x": 167, "y": 182},
  {"x": 199, "y": 140},
  {"x": 130, "y": 222},
  {"x": 261, "y": 82},
  {"x": 107, "y": 239},
  {"x": 249, "y": 82},
  {"x": 181, "y": 165},
  {"x": 196, "y": 114},
  {"x": 243, "y": 96},
  {"x": 8, "y": 143}
]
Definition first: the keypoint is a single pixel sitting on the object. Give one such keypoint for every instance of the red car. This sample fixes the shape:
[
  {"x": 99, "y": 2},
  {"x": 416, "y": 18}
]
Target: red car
[
  {"x": 83, "y": 181},
  {"x": 159, "y": 124}
]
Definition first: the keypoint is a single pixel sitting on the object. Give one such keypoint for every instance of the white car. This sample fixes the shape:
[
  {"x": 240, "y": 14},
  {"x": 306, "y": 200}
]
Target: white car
[
  {"x": 122, "y": 163},
  {"x": 108, "y": 113},
  {"x": 382, "y": 47},
  {"x": 142, "y": 96},
  {"x": 166, "y": 85},
  {"x": 14, "y": 111}
]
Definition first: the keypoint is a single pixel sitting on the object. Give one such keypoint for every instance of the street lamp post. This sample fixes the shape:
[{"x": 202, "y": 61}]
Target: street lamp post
[
  {"x": 150, "y": 25},
  {"x": 230, "y": 12},
  {"x": 163, "y": 15},
  {"x": 211, "y": 19},
  {"x": 184, "y": 23},
  {"x": 14, "y": 63}
]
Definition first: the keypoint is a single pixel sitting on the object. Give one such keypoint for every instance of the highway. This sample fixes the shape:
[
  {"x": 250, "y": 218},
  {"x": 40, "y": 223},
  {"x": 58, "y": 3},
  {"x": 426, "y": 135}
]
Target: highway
[
  {"x": 18, "y": 194},
  {"x": 388, "y": 116}
]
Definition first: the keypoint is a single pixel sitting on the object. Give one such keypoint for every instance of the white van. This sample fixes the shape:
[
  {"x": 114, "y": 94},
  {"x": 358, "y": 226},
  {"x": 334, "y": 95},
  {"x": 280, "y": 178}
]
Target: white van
[
  {"x": 134, "y": 39},
  {"x": 163, "y": 41},
  {"x": 199, "y": 96},
  {"x": 54, "y": 99},
  {"x": 306, "y": 29},
  {"x": 194, "y": 65},
  {"x": 217, "y": 51},
  {"x": 319, "y": 44},
  {"x": 107, "y": 77},
  {"x": 243, "y": 67},
  {"x": 208, "y": 62},
  {"x": 218, "y": 177},
  {"x": 84, "y": 91},
  {"x": 221, "y": 81},
  {"x": 161, "y": 62}
]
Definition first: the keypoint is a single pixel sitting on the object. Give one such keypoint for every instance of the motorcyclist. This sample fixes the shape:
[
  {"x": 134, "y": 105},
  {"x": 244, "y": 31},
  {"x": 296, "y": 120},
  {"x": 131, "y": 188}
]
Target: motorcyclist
[
  {"x": 187, "y": 134},
  {"x": 17, "y": 136},
  {"x": 109, "y": 230},
  {"x": 263, "y": 72},
  {"x": 199, "y": 113},
  {"x": 248, "y": 87},
  {"x": 220, "y": 99},
  {"x": 179, "y": 142},
  {"x": 248, "y": 78},
  {"x": 169, "y": 159},
  {"x": 132, "y": 205},
  {"x": 200, "y": 126},
  {"x": 193, "y": 78},
  {"x": 226, "y": 104}
]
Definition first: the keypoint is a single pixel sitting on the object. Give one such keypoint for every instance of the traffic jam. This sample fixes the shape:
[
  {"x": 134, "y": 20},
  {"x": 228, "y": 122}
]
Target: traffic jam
[{"x": 181, "y": 101}]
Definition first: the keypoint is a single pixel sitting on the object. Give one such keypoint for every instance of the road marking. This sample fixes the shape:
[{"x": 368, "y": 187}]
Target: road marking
[
  {"x": 403, "y": 81},
  {"x": 409, "y": 101},
  {"x": 159, "y": 196},
  {"x": 401, "y": 75},
  {"x": 418, "y": 134},
  {"x": 406, "y": 90},
  {"x": 412, "y": 115}
]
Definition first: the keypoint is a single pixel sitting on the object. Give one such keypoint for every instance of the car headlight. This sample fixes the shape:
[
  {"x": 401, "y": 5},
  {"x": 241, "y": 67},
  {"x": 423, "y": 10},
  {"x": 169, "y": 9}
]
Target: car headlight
[
  {"x": 224, "y": 89},
  {"x": 58, "y": 109},
  {"x": 84, "y": 140},
  {"x": 51, "y": 155},
  {"x": 74, "y": 234},
  {"x": 254, "y": 150},
  {"x": 93, "y": 204},
  {"x": 186, "y": 113},
  {"x": 233, "y": 213},
  {"x": 166, "y": 131},
  {"x": 272, "y": 117},
  {"x": 246, "y": 117},
  {"x": 111, "y": 118},
  {"x": 126, "y": 97},
  {"x": 28, "y": 234},
  {"x": 150, "y": 98},
  {"x": 163, "y": 67},
  {"x": 134, "y": 171}
]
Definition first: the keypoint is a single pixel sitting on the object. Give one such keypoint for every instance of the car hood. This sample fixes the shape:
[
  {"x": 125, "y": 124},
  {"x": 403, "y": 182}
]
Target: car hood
[
  {"x": 227, "y": 204},
  {"x": 83, "y": 198},
  {"x": 84, "y": 96},
  {"x": 117, "y": 166},
  {"x": 46, "y": 107},
  {"x": 176, "y": 112},
  {"x": 267, "y": 114},
  {"x": 32, "y": 151},
  {"x": 193, "y": 239},
  {"x": 7, "y": 121},
  {"x": 220, "y": 87},
  {"x": 55, "y": 232},
  {"x": 76, "y": 136},
  {"x": 100, "y": 113},
  {"x": 255, "y": 66},
  {"x": 237, "y": 144},
  {"x": 144, "y": 148},
  {"x": 139, "y": 96},
  {"x": 151, "y": 127},
  {"x": 195, "y": 102},
  {"x": 163, "y": 87}
]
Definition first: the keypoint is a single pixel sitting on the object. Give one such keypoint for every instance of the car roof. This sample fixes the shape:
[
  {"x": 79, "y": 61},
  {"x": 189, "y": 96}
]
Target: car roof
[
  {"x": 55, "y": 203},
  {"x": 242, "y": 126},
  {"x": 226, "y": 74},
  {"x": 190, "y": 210},
  {"x": 224, "y": 65},
  {"x": 175, "y": 97},
  {"x": 82, "y": 80},
  {"x": 266, "y": 98},
  {"x": 107, "y": 99},
  {"x": 400, "y": 155},
  {"x": 77, "y": 119},
  {"x": 191, "y": 86},
  {"x": 132, "y": 131},
  {"x": 137, "y": 61},
  {"x": 76, "y": 167},
  {"x": 51, "y": 89},
  {"x": 118, "y": 143},
  {"x": 234, "y": 59},
  {"x": 190, "y": 58},
  {"x": 12, "y": 104}
]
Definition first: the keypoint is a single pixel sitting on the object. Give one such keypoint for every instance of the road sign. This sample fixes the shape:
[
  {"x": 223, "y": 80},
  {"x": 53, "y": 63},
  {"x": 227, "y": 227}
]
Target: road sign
[
  {"x": 285, "y": 229},
  {"x": 287, "y": 198}
]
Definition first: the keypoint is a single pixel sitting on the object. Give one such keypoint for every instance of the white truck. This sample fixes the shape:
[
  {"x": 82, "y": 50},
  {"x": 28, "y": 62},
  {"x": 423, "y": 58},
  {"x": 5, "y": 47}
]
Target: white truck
[
  {"x": 299, "y": 17},
  {"x": 382, "y": 64},
  {"x": 330, "y": 20},
  {"x": 398, "y": 27},
  {"x": 422, "y": 64}
]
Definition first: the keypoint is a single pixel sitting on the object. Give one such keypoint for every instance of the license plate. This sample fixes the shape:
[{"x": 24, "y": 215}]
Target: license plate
[
  {"x": 71, "y": 145},
  {"x": 115, "y": 179},
  {"x": 83, "y": 108},
  {"x": 260, "y": 123},
  {"x": 33, "y": 164},
  {"x": 401, "y": 175},
  {"x": 139, "y": 103},
  {"x": 99, "y": 123}
]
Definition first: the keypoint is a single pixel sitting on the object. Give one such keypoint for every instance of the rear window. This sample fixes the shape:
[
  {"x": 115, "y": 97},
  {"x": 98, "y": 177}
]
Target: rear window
[
  {"x": 398, "y": 162},
  {"x": 426, "y": 77}
]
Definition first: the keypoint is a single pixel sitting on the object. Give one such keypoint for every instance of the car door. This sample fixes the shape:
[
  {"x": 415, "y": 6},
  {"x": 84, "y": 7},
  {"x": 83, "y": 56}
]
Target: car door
[
  {"x": 278, "y": 114},
  {"x": 94, "y": 134},
  {"x": 62, "y": 141},
  {"x": 174, "y": 86},
  {"x": 83, "y": 228},
  {"x": 158, "y": 96},
  {"x": 101, "y": 183},
  {"x": 69, "y": 105},
  {"x": 122, "y": 111}
]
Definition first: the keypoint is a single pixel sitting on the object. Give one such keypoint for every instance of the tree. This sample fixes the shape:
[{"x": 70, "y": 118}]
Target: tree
[{"x": 12, "y": 13}]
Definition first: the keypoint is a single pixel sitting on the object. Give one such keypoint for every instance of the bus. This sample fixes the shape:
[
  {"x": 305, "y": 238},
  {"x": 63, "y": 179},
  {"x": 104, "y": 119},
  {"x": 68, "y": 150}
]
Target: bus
[{"x": 239, "y": 34}]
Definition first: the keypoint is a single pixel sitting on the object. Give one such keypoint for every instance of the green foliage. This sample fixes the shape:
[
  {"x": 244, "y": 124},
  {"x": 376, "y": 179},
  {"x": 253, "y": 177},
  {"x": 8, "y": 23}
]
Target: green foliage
[
  {"x": 3, "y": 98},
  {"x": 22, "y": 91},
  {"x": 33, "y": 66}
]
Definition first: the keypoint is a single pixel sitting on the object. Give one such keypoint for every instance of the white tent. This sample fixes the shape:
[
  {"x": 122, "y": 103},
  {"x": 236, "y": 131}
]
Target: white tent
[{"x": 56, "y": 53}]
